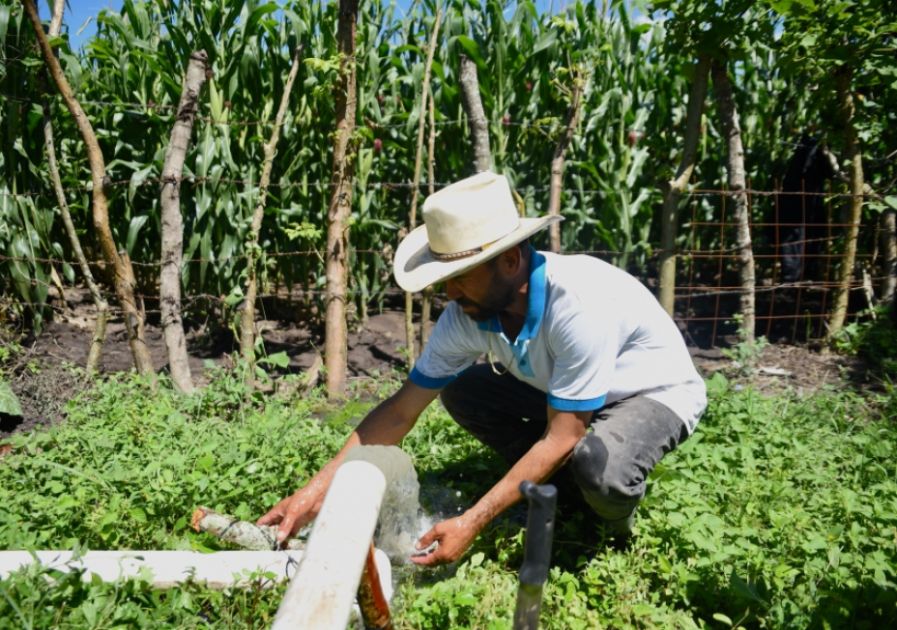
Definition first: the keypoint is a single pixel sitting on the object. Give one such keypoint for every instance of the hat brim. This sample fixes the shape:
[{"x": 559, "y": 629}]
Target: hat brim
[{"x": 415, "y": 268}]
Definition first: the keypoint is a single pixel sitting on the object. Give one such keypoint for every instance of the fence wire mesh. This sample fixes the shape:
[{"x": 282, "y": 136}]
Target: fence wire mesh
[{"x": 796, "y": 265}]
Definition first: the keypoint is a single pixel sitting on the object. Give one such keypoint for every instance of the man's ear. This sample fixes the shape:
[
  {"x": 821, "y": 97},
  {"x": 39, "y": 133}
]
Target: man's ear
[{"x": 510, "y": 260}]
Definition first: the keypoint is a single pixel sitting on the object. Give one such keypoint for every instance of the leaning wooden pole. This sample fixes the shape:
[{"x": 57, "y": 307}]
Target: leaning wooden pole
[
  {"x": 427, "y": 297},
  {"x": 476, "y": 115},
  {"x": 415, "y": 184},
  {"x": 99, "y": 330},
  {"x": 336, "y": 329},
  {"x": 121, "y": 266},
  {"x": 673, "y": 189},
  {"x": 557, "y": 162},
  {"x": 887, "y": 229},
  {"x": 102, "y": 306},
  {"x": 737, "y": 189},
  {"x": 843, "y": 81},
  {"x": 247, "y": 319},
  {"x": 173, "y": 225}
]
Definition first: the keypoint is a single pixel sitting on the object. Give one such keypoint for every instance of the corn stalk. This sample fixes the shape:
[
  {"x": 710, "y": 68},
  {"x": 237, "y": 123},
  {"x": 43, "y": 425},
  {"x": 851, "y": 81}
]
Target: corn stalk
[
  {"x": 102, "y": 307},
  {"x": 336, "y": 333},
  {"x": 415, "y": 187},
  {"x": 247, "y": 321},
  {"x": 123, "y": 271}
]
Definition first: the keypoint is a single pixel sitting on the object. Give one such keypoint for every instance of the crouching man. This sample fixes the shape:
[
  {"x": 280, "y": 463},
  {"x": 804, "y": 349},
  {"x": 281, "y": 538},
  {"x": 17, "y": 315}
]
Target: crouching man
[{"x": 586, "y": 375}]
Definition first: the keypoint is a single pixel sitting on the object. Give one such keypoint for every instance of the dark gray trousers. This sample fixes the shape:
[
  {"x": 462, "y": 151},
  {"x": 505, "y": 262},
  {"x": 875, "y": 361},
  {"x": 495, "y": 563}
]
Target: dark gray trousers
[{"x": 608, "y": 467}]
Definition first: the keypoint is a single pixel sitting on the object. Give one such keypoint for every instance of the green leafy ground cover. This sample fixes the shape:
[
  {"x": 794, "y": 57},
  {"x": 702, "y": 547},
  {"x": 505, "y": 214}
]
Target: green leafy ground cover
[{"x": 780, "y": 512}]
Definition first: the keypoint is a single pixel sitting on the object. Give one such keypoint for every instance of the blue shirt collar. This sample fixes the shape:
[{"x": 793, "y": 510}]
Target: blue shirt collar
[{"x": 535, "y": 302}]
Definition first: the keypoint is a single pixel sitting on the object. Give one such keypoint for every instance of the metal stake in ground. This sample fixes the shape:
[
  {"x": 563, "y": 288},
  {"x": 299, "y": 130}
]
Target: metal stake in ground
[{"x": 537, "y": 553}]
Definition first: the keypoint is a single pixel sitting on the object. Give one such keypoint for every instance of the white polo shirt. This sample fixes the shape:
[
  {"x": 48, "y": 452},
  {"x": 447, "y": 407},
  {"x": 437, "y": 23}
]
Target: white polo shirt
[{"x": 593, "y": 334}]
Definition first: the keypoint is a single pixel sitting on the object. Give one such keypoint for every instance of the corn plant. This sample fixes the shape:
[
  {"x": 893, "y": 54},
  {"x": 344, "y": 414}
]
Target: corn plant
[
  {"x": 26, "y": 229},
  {"x": 128, "y": 77}
]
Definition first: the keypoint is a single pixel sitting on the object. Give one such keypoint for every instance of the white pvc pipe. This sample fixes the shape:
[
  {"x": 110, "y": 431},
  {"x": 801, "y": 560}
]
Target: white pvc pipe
[
  {"x": 221, "y": 569},
  {"x": 321, "y": 595}
]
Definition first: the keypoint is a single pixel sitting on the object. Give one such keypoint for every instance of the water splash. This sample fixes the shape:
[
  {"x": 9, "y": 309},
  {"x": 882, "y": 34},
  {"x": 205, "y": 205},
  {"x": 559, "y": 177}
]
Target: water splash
[{"x": 401, "y": 520}]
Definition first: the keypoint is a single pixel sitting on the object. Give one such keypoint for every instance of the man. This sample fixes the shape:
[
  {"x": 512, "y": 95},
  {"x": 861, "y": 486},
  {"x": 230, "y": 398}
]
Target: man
[{"x": 585, "y": 371}]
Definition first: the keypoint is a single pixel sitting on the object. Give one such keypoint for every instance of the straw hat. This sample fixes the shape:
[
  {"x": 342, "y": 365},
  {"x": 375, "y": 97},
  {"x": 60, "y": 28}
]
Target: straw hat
[{"x": 465, "y": 224}]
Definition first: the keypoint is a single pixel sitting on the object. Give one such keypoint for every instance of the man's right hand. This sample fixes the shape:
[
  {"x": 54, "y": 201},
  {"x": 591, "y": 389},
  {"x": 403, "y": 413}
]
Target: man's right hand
[
  {"x": 294, "y": 512},
  {"x": 388, "y": 423}
]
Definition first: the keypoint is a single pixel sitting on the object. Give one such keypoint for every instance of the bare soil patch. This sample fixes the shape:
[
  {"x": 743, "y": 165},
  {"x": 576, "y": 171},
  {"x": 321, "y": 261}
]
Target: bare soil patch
[
  {"x": 43, "y": 377},
  {"x": 781, "y": 367}
]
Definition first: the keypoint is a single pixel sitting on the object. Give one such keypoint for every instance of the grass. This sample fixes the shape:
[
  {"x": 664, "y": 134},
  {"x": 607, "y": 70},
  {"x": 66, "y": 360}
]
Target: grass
[{"x": 780, "y": 512}]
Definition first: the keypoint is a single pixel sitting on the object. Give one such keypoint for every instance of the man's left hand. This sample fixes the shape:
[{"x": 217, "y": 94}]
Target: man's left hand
[{"x": 452, "y": 536}]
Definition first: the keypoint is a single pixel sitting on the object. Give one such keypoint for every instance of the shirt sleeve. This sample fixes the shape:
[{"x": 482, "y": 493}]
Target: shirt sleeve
[
  {"x": 585, "y": 353},
  {"x": 452, "y": 347}
]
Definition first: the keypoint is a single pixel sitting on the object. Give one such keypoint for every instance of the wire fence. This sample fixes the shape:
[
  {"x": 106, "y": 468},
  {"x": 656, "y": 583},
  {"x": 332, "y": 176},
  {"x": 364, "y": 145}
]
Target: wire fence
[
  {"x": 797, "y": 253},
  {"x": 422, "y": 187},
  {"x": 795, "y": 260},
  {"x": 796, "y": 267}
]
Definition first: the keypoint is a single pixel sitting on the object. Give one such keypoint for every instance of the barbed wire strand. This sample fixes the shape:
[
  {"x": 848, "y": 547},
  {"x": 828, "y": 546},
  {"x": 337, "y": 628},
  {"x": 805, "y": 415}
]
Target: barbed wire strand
[
  {"x": 395, "y": 292},
  {"x": 768, "y": 252},
  {"x": 387, "y": 185},
  {"x": 680, "y": 290}
]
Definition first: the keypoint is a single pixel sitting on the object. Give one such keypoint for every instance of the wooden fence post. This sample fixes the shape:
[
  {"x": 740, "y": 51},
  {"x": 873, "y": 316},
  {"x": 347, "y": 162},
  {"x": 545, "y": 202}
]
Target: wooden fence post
[
  {"x": 889, "y": 250},
  {"x": 476, "y": 116},
  {"x": 557, "y": 162},
  {"x": 336, "y": 329},
  {"x": 122, "y": 269},
  {"x": 172, "y": 222},
  {"x": 844, "y": 80},
  {"x": 675, "y": 187},
  {"x": 427, "y": 298},
  {"x": 735, "y": 168}
]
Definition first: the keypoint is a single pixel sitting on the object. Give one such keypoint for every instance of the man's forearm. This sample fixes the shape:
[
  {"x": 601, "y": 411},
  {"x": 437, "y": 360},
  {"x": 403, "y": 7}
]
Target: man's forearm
[
  {"x": 387, "y": 424},
  {"x": 537, "y": 465},
  {"x": 383, "y": 425},
  {"x": 455, "y": 535}
]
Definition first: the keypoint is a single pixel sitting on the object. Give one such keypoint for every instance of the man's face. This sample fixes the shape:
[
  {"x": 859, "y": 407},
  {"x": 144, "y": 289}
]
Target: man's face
[{"x": 481, "y": 293}]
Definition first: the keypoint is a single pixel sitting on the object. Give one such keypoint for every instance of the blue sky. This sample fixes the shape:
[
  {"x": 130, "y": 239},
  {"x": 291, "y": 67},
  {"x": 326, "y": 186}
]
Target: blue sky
[{"x": 83, "y": 13}]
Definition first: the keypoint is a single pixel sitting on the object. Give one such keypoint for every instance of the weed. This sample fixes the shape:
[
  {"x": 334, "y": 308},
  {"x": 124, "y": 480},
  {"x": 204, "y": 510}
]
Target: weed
[
  {"x": 129, "y": 465},
  {"x": 745, "y": 354},
  {"x": 875, "y": 340},
  {"x": 778, "y": 512},
  {"x": 50, "y": 599},
  {"x": 8, "y": 350}
]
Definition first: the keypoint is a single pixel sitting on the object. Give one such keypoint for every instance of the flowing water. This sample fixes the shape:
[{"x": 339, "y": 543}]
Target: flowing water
[{"x": 401, "y": 520}]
